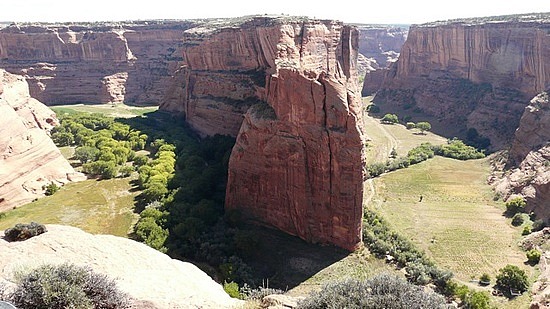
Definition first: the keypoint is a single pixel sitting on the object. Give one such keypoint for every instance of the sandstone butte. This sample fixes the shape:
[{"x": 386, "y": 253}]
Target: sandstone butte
[
  {"x": 28, "y": 157},
  {"x": 297, "y": 162},
  {"x": 152, "y": 278},
  {"x": 472, "y": 73}
]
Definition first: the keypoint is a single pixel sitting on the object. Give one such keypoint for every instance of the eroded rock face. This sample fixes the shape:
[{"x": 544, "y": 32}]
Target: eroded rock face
[
  {"x": 471, "y": 73},
  {"x": 529, "y": 159},
  {"x": 380, "y": 45},
  {"x": 152, "y": 278},
  {"x": 28, "y": 157},
  {"x": 111, "y": 63},
  {"x": 297, "y": 163}
]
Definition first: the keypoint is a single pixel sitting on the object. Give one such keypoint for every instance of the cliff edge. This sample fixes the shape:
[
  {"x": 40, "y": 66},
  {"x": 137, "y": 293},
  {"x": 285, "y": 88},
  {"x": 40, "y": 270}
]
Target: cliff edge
[{"x": 152, "y": 278}]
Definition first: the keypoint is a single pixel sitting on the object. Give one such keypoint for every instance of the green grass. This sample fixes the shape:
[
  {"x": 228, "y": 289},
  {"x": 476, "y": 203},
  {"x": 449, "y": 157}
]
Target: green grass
[
  {"x": 457, "y": 223},
  {"x": 384, "y": 137},
  {"x": 98, "y": 207},
  {"x": 113, "y": 110}
]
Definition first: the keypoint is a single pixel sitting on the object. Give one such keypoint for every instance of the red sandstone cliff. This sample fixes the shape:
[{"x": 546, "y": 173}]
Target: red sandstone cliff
[
  {"x": 529, "y": 159},
  {"x": 94, "y": 63},
  {"x": 471, "y": 73},
  {"x": 28, "y": 157},
  {"x": 297, "y": 163}
]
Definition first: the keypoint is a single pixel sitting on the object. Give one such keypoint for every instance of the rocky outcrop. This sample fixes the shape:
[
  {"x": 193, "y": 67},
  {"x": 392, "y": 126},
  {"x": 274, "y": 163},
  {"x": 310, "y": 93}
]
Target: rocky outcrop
[
  {"x": 529, "y": 159},
  {"x": 94, "y": 63},
  {"x": 28, "y": 157},
  {"x": 477, "y": 73},
  {"x": 297, "y": 163},
  {"x": 152, "y": 278},
  {"x": 380, "y": 45}
]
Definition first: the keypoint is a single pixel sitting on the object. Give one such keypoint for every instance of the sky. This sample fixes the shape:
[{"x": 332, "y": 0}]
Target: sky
[{"x": 349, "y": 11}]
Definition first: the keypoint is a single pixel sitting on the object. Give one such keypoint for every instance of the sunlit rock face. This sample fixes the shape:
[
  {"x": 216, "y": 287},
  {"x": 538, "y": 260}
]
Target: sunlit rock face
[
  {"x": 28, "y": 157},
  {"x": 94, "y": 63},
  {"x": 474, "y": 73}
]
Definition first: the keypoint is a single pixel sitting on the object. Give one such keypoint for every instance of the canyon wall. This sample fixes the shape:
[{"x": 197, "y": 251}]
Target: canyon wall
[
  {"x": 297, "y": 163},
  {"x": 529, "y": 159},
  {"x": 28, "y": 157},
  {"x": 94, "y": 63},
  {"x": 476, "y": 73},
  {"x": 379, "y": 46}
]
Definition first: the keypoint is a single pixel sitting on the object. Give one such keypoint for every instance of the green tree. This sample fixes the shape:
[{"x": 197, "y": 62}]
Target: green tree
[
  {"x": 50, "y": 188},
  {"x": 390, "y": 119},
  {"x": 512, "y": 278},
  {"x": 423, "y": 126},
  {"x": 63, "y": 138},
  {"x": 86, "y": 154},
  {"x": 477, "y": 300}
]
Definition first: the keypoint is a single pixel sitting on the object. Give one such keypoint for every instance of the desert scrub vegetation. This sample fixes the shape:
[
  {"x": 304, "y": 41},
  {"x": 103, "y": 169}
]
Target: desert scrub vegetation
[
  {"x": 381, "y": 291},
  {"x": 386, "y": 243},
  {"x": 65, "y": 286},
  {"x": 455, "y": 149}
]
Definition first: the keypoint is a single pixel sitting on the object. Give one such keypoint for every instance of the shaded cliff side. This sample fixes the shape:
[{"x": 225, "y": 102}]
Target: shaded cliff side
[
  {"x": 297, "y": 163},
  {"x": 28, "y": 157},
  {"x": 529, "y": 159},
  {"x": 94, "y": 63},
  {"x": 474, "y": 73},
  {"x": 380, "y": 45}
]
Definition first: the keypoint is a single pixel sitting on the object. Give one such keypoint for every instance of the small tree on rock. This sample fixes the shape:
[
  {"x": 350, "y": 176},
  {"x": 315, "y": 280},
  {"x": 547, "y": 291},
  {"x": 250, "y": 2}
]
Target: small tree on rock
[{"x": 411, "y": 125}]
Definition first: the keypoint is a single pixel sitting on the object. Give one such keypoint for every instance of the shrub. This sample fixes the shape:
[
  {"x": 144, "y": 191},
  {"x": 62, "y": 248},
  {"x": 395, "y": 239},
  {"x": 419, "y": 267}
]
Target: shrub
[
  {"x": 456, "y": 149},
  {"x": 390, "y": 119},
  {"x": 510, "y": 278},
  {"x": 126, "y": 170},
  {"x": 376, "y": 169},
  {"x": 66, "y": 286},
  {"x": 477, "y": 300},
  {"x": 485, "y": 279},
  {"x": 24, "y": 231},
  {"x": 373, "y": 108},
  {"x": 258, "y": 293},
  {"x": 517, "y": 220},
  {"x": 533, "y": 256},
  {"x": 411, "y": 125},
  {"x": 50, "y": 188},
  {"x": 515, "y": 205},
  {"x": 382, "y": 291},
  {"x": 424, "y": 126},
  {"x": 526, "y": 230},
  {"x": 232, "y": 289}
]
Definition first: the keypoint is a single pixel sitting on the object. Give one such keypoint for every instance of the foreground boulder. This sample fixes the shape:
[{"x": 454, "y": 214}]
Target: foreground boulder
[{"x": 152, "y": 278}]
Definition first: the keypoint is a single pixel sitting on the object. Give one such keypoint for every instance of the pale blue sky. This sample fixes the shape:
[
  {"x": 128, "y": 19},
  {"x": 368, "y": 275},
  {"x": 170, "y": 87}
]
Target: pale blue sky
[{"x": 365, "y": 11}]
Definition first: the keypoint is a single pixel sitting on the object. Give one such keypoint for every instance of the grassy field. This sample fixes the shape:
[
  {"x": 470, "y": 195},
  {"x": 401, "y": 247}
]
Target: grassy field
[
  {"x": 99, "y": 207},
  {"x": 457, "y": 223},
  {"x": 385, "y": 137},
  {"x": 113, "y": 110}
]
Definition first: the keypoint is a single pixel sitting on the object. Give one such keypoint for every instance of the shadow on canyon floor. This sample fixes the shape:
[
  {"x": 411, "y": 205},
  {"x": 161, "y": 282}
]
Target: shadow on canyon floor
[{"x": 284, "y": 262}]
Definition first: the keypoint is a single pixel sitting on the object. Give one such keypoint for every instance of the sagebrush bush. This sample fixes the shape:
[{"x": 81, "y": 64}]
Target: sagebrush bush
[
  {"x": 66, "y": 286},
  {"x": 22, "y": 231},
  {"x": 382, "y": 291}
]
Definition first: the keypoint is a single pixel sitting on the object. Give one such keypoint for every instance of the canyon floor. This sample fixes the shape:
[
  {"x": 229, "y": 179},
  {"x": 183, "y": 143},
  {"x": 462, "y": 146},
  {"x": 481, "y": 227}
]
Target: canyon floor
[{"x": 458, "y": 223}]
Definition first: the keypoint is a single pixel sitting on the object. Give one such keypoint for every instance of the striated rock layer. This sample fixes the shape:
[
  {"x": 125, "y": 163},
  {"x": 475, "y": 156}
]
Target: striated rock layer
[
  {"x": 152, "y": 278},
  {"x": 297, "y": 163},
  {"x": 94, "y": 63},
  {"x": 477, "y": 73},
  {"x": 529, "y": 159},
  {"x": 28, "y": 157}
]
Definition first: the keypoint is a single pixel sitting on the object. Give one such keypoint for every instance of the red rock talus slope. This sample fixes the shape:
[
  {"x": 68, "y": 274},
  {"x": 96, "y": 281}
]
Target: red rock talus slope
[
  {"x": 28, "y": 157},
  {"x": 472, "y": 73},
  {"x": 297, "y": 163},
  {"x": 529, "y": 159},
  {"x": 94, "y": 63}
]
